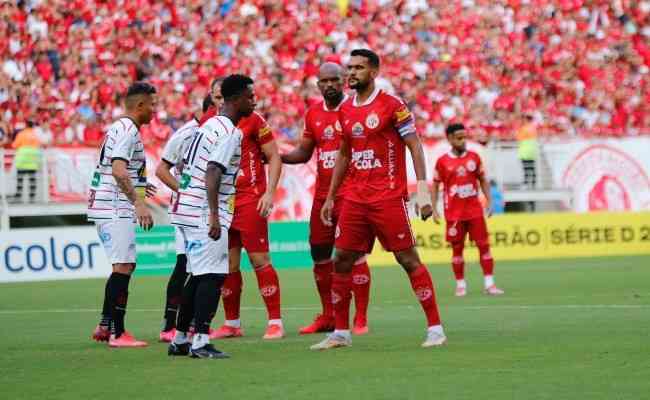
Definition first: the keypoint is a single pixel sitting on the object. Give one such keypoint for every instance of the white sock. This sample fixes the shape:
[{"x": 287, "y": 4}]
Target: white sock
[
  {"x": 275, "y": 322},
  {"x": 461, "y": 283},
  {"x": 437, "y": 329},
  {"x": 342, "y": 332},
  {"x": 200, "y": 340},
  {"x": 233, "y": 323},
  {"x": 180, "y": 338},
  {"x": 489, "y": 281}
]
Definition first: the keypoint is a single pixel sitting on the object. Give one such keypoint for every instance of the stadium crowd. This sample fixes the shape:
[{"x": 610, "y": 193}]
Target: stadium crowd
[{"x": 575, "y": 67}]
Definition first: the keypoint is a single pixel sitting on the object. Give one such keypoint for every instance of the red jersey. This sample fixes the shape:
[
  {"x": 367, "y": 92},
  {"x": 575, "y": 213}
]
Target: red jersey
[
  {"x": 375, "y": 131},
  {"x": 323, "y": 127},
  {"x": 460, "y": 178},
  {"x": 251, "y": 182}
]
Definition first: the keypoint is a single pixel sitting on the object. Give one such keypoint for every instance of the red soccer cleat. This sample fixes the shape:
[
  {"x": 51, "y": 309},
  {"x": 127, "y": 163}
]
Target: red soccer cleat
[
  {"x": 360, "y": 326},
  {"x": 226, "y": 332},
  {"x": 126, "y": 340},
  {"x": 167, "y": 336},
  {"x": 273, "y": 332},
  {"x": 322, "y": 323},
  {"x": 101, "y": 334}
]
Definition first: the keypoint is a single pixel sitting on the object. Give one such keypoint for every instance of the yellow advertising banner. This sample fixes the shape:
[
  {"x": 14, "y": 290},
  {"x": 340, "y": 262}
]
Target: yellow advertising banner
[{"x": 536, "y": 236}]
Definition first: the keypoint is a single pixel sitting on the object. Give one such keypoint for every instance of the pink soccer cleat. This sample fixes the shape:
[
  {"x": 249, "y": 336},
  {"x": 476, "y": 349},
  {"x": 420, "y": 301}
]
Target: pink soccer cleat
[
  {"x": 226, "y": 332},
  {"x": 322, "y": 323},
  {"x": 273, "y": 332},
  {"x": 460, "y": 291},
  {"x": 126, "y": 340},
  {"x": 101, "y": 334},
  {"x": 167, "y": 336},
  {"x": 493, "y": 291}
]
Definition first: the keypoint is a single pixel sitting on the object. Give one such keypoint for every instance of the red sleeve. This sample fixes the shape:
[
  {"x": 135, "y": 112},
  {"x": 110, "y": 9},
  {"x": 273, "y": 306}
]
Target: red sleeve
[
  {"x": 402, "y": 117},
  {"x": 263, "y": 131}
]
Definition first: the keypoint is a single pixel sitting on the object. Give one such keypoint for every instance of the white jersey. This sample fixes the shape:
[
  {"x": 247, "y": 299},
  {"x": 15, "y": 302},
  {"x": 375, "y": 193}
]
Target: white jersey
[
  {"x": 218, "y": 141},
  {"x": 176, "y": 147},
  {"x": 106, "y": 201}
]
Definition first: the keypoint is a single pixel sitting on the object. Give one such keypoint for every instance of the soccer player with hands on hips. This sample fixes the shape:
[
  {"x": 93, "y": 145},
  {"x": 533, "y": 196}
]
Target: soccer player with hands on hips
[
  {"x": 172, "y": 157},
  {"x": 117, "y": 205},
  {"x": 203, "y": 213},
  {"x": 322, "y": 133},
  {"x": 376, "y": 129},
  {"x": 461, "y": 173}
]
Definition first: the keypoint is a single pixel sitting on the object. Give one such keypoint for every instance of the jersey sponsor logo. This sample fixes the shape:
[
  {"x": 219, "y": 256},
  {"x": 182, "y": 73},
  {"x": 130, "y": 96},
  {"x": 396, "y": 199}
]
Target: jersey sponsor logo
[
  {"x": 327, "y": 158},
  {"x": 328, "y": 133},
  {"x": 357, "y": 130},
  {"x": 471, "y": 166},
  {"x": 463, "y": 191},
  {"x": 402, "y": 114},
  {"x": 372, "y": 121},
  {"x": 365, "y": 159}
]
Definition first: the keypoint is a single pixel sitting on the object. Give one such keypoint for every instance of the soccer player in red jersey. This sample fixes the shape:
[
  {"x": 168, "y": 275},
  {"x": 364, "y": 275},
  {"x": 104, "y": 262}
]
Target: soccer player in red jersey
[
  {"x": 321, "y": 133},
  {"x": 461, "y": 173},
  {"x": 249, "y": 230},
  {"x": 376, "y": 129}
]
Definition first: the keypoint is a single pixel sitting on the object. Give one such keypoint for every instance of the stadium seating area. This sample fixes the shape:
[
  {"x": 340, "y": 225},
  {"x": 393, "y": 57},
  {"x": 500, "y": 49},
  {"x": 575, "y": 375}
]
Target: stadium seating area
[{"x": 577, "y": 67}]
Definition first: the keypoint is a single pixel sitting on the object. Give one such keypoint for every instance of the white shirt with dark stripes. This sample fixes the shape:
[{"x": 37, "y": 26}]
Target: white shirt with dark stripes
[
  {"x": 106, "y": 201},
  {"x": 217, "y": 141},
  {"x": 176, "y": 147}
]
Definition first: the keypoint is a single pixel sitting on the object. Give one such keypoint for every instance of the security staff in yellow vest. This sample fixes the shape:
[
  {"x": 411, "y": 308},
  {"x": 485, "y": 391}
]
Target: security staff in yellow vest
[
  {"x": 528, "y": 150},
  {"x": 27, "y": 160}
]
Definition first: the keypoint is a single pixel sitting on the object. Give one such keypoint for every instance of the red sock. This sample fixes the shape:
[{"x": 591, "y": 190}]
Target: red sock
[
  {"x": 341, "y": 296},
  {"x": 361, "y": 290},
  {"x": 457, "y": 261},
  {"x": 267, "y": 281},
  {"x": 323, "y": 277},
  {"x": 423, "y": 288},
  {"x": 231, "y": 294},
  {"x": 487, "y": 262}
]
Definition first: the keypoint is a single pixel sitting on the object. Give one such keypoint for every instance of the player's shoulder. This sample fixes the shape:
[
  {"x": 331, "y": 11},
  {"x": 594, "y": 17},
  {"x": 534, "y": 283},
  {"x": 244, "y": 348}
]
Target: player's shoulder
[
  {"x": 124, "y": 126},
  {"x": 255, "y": 119},
  {"x": 473, "y": 154},
  {"x": 217, "y": 126},
  {"x": 388, "y": 98}
]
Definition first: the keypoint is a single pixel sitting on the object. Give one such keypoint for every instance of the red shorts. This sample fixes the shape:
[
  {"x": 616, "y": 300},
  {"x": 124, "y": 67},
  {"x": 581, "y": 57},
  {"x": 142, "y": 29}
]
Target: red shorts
[
  {"x": 476, "y": 227},
  {"x": 320, "y": 233},
  {"x": 360, "y": 223},
  {"x": 249, "y": 230}
]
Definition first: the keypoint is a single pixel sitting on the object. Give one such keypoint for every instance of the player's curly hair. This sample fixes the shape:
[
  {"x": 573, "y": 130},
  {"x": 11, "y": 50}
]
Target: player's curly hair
[
  {"x": 371, "y": 56},
  {"x": 453, "y": 128},
  {"x": 234, "y": 85}
]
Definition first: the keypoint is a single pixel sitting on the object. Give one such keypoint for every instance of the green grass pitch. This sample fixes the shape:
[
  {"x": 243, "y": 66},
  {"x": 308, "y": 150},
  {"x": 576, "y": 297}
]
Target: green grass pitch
[{"x": 566, "y": 329}]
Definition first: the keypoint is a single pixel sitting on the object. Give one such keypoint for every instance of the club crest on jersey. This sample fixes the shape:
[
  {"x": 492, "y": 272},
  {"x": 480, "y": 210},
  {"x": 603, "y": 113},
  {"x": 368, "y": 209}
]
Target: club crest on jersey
[
  {"x": 461, "y": 171},
  {"x": 357, "y": 129},
  {"x": 328, "y": 133},
  {"x": 471, "y": 166},
  {"x": 372, "y": 121}
]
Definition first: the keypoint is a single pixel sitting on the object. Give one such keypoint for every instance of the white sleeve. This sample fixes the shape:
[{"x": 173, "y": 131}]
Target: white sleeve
[
  {"x": 124, "y": 145},
  {"x": 224, "y": 149},
  {"x": 172, "y": 151}
]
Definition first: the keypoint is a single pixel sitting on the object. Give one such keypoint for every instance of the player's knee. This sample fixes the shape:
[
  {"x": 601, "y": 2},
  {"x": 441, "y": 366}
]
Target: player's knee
[
  {"x": 259, "y": 260},
  {"x": 124, "y": 268},
  {"x": 320, "y": 253},
  {"x": 344, "y": 260},
  {"x": 408, "y": 259}
]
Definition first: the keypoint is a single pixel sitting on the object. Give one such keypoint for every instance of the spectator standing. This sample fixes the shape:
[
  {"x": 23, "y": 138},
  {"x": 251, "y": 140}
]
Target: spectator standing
[{"x": 27, "y": 160}]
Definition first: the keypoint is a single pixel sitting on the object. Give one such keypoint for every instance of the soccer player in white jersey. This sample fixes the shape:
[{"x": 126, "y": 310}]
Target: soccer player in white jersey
[
  {"x": 117, "y": 203},
  {"x": 172, "y": 157},
  {"x": 203, "y": 211}
]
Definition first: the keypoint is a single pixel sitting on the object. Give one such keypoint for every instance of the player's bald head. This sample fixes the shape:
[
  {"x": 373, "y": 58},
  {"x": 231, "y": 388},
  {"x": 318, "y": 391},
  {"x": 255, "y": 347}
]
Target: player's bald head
[{"x": 330, "y": 69}]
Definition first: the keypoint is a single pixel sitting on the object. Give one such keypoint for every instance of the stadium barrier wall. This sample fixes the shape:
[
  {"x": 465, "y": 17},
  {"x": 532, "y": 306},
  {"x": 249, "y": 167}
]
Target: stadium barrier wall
[{"x": 72, "y": 253}]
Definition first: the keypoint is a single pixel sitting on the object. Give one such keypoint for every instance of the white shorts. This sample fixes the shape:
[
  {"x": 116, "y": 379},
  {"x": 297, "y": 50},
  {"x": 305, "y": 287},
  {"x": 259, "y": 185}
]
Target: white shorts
[
  {"x": 118, "y": 238},
  {"x": 180, "y": 242},
  {"x": 204, "y": 255}
]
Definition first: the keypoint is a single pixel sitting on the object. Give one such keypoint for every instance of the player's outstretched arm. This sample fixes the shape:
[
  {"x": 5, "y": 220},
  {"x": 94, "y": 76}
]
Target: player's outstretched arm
[
  {"x": 340, "y": 168},
  {"x": 212, "y": 182},
  {"x": 422, "y": 199},
  {"x": 123, "y": 181},
  {"x": 163, "y": 173},
  {"x": 302, "y": 153},
  {"x": 265, "y": 204}
]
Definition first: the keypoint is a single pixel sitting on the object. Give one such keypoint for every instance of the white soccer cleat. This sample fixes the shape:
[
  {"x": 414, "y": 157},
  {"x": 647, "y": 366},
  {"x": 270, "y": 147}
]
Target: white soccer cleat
[
  {"x": 435, "y": 339},
  {"x": 493, "y": 291},
  {"x": 461, "y": 291},
  {"x": 332, "y": 341}
]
